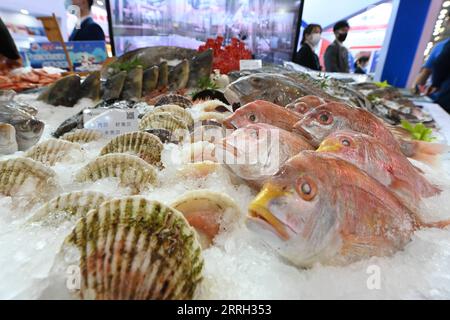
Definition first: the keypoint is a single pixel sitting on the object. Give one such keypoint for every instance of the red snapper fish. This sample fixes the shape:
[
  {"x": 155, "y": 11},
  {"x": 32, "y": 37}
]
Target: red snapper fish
[
  {"x": 320, "y": 122},
  {"x": 257, "y": 151},
  {"x": 387, "y": 165},
  {"x": 322, "y": 209},
  {"x": 261, "y": 111},
  {"x": 304, "y": 104}
]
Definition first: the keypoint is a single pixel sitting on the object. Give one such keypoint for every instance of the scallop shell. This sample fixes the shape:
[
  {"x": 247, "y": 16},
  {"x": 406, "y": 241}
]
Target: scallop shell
[
  {"x": 164, "y": 135},
  {"x": 142, "y": 144},
  {"x": 131, "y": 170},
  {"x": 133, "y": 249},
  {"x": 53, "y": 150},
  {"x": 177, "y": 111},
  {"x": 217, "y": 116},
  {"x": 23, "y": 177},
  {"x": 82, "y": 136},
  {"x": 176, "y": 99},
  {"x": 213, "y": 106},
  {"x": 77, "y": 204},
  {"x": 167, "y": 121},
  {"x": 208, "y": 212}
]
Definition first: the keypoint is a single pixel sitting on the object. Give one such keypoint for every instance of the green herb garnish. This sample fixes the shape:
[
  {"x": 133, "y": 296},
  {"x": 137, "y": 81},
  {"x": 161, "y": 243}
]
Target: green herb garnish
[
  {"x": 383, "y": 84},
  {"x": 204, "y": 83},
  {"x": 418, "y": 131},
  {"x": 127, "y": 65}
]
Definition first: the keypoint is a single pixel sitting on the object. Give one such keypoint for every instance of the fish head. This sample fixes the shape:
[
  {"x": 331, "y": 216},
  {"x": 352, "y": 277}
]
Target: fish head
[
  {"x": 295, "y": 213},
  {"x": 299, "y": 107},
  {"x": 347, "y": 145},
  {"x": 252, "y": 152},
  {"x": 255, "y": 112},
  {"x": 320, "y": 122},
  {"x": 28, "y": 132}
]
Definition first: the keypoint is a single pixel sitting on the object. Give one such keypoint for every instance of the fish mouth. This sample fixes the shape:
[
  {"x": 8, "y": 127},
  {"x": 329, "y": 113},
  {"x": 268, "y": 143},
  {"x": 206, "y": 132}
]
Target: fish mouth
[
  {"x": 326, "y": 146},
  {"x": 258, "y": 210},
  {"x": 228, "y": 123}
]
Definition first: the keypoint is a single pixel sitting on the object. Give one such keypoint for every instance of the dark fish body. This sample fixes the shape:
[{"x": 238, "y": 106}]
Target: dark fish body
[
  {"x": 150, "y": 80},
  {"x": 132, "y": 87},
  {"x": 179, "y": 76},
  {"x": 113, "y": 86},
  {"x": 64, "y": 92},
  {"x": 90, "y": 87}
]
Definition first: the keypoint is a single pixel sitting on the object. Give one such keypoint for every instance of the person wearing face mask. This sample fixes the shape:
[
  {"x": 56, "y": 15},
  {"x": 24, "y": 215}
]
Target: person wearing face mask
[
  {"x": 361, "y": 65},
  {"x": 306, "y": 55},
  {"x": 336, "y": 55}
]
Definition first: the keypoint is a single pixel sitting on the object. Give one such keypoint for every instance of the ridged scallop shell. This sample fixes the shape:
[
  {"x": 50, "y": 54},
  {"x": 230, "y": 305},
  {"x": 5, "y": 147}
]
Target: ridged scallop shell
[
  {"x": 217, "y": 116},
  {"x": 142, "y": 144},
  {"x": 164, "y": 120},
  {"x": 133, "y": 249},
  {"x": 77, "y": 204},
  {"x": 177, "y": 111},
  {"x": 82, "y": 136},
  {"x": 208, "y": 212},
  {"x": 132, "y": 171},
  {"x": 212, "y": 106},
  {"x": 23, "y": 177},
  {"x": 164, "y": 135},
  {"x": 179, "y": 100},
  {"x": 54, "y": 150}
]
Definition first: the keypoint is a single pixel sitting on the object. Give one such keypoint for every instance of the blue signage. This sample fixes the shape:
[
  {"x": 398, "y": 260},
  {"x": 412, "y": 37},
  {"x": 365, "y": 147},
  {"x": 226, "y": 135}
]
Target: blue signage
[{"x": 85, "y": 55}]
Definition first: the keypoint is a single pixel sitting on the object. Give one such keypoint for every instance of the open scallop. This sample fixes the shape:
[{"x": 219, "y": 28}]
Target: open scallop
[
  {"x": 131, "y": 248},
  {"x": 82, "y": 136},
  {"x": 208, "y": 212},
  {"x": 53, "y": 150}
]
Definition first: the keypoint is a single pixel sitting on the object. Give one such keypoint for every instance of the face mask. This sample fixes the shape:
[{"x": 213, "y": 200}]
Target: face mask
[
  {"x": 341, "y": 37},
  {"x": 314, "y": 39}
]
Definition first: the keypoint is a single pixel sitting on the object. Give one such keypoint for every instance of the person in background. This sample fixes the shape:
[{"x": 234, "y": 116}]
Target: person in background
[
  {"x": 336, "y": 55},
  {"x": 429, "y": 67},
  {"x": 361, "y": 65},
  {"x": 441, "y": 78},
  {"x": 306, "y": 55},
  {"x": 89, "y": 30}
]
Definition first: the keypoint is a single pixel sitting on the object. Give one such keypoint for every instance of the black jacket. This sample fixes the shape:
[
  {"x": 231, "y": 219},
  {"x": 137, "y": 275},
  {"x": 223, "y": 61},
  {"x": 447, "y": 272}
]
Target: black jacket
[
  {"x": 307, "y": 58},
  {"x": 441, "y": 74},
  {"x": 89, "y": 31},
  {"x": 336, "y": 58}
]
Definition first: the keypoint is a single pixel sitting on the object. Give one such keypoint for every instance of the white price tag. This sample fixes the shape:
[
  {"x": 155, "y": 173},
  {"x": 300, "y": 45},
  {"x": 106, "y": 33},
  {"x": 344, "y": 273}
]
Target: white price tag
[
  {"x": 250, "y": 64},
  {"x": 114, "y": 122}
]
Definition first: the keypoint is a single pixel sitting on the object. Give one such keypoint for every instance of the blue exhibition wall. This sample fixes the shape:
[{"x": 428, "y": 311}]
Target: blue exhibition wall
[{"x": 406, "y": 34}]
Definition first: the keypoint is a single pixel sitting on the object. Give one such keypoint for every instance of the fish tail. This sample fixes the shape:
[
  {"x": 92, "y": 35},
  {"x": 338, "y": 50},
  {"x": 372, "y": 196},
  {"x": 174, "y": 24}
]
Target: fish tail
[{"x": 426, "y": 152}]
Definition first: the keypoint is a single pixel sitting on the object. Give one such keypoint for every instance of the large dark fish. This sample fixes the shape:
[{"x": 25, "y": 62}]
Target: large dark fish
[
  {"x": 28, "y": 128},
  {"x": 64, "y": 92},
  {"x": 275, "y": 88}
]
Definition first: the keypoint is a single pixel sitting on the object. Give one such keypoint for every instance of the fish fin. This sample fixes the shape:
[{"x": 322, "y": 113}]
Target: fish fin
[
  {"x": 429, "y": 153},
  {"x": 438, "y": 224},
  {"x": 399, "y": 184}
]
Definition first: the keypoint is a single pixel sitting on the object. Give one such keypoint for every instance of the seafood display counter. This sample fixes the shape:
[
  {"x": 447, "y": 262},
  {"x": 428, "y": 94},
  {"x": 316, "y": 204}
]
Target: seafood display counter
[{"x": 269, "y": 184}]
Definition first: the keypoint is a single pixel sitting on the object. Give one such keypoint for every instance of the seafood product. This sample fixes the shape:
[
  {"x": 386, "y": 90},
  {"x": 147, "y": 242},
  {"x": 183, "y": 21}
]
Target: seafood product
[
  {"x": 132, "y": 171},
  {"x": 64, "y": 92},
  {"x": 8, "y": 143},
  {"x": 28, "y": 128},
  {"x": 387, "y": 165},
  {"x": 206, "y": 211},
  {"x": 52, "y": 151},
  {"x": 326, "y": 210},
  {"x": 262, "y": 112},
  {"x": 142, "y": 144},
  {"x": 133, "y": 249},
  {"x": 82, "y": 136},
  {"x": 176, "y": 99}
]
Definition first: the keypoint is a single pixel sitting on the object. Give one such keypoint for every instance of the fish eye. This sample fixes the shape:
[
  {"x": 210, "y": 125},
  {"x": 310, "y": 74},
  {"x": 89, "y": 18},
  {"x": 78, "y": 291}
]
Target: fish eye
[
  {"x": 252, "y": 117},
  {"x": 325, "y": 118},
  {"x": 345, "y": 142},
  {"x": 306, "y": 188}
]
